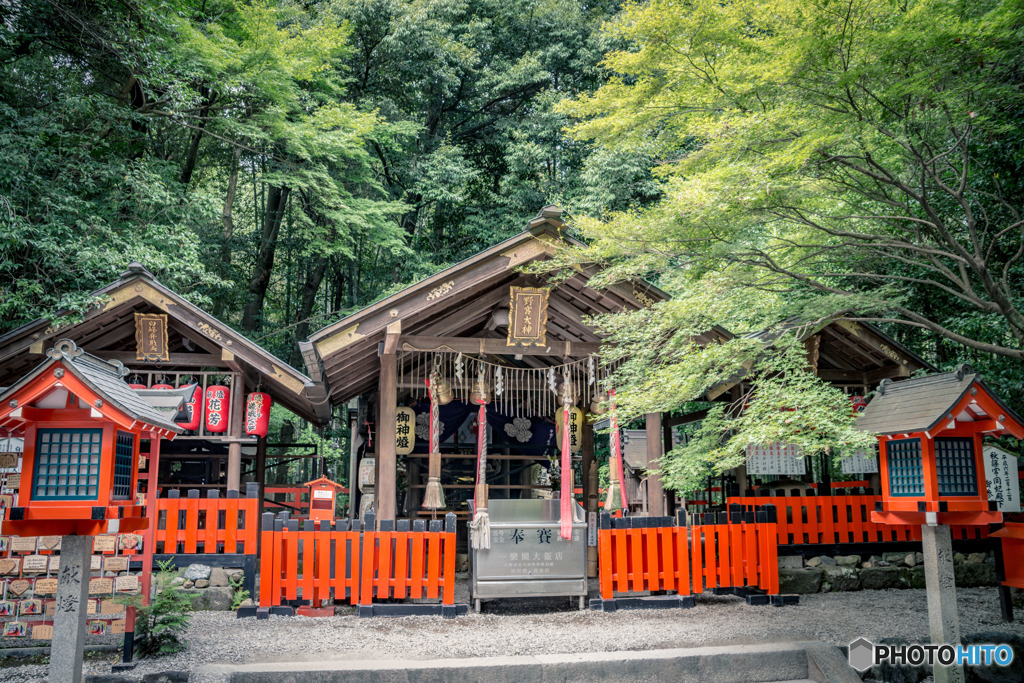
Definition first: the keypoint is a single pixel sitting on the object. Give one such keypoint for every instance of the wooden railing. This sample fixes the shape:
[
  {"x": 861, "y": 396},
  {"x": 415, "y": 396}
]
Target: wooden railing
[
  {"x": 210, "y": 526},
  {"x": 410, "y": 560},
  {"x": 640, "y": 554},
  {"x": 839, "y": 520}
]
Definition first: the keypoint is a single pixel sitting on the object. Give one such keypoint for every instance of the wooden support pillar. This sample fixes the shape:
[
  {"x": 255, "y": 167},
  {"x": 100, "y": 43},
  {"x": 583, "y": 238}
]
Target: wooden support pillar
[
  {"x": 234, "y": 479},
  {"x": 387, "y": 464},
  {"x": 591, "y": 494},
  {"x": 655, "y": 492},
  {"x": 741, "y": 478},
  {"x": 149, "y": 533},
  {"x": 261, "y": 470}
]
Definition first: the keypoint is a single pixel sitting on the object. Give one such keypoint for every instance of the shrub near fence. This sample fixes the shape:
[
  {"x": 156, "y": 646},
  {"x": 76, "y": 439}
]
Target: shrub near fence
[
  {"x": 365, "y": 566},
  {"x": 727, "y": 553}
]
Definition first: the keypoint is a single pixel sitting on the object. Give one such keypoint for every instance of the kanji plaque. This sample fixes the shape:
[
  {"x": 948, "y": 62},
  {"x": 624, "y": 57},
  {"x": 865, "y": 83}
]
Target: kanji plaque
[
  {"x": 151, "y": 336},
  {"x": 528, "y": 316}
]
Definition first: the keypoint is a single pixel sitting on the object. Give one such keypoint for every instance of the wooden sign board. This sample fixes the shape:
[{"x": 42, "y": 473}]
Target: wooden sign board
[
  {"x": 1001, "y": 480},
  {"x": 776, "y": 458},
  {"x": 151, "y": 337},
  {"x": 117, "y": 626},
  {"x": 8, "y": 460},
  {"x": 42, "y": 632},
  {"x": 104, "y": 544},
  {"x": 101, "y": 586},
  {"x": 528, "y": 316},
  {"x": 35, "y": 564},
  {"x": 46, "y": 587},
  {"x": 117, "y": 563},
  {"x": 23, "y": 544}
]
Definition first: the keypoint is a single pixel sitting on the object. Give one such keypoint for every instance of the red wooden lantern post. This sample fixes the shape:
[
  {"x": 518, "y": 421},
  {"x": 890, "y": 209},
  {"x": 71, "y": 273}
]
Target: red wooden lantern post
[
  {"x": 83, "y": 425},
  {"x": 930, "y": 432}
]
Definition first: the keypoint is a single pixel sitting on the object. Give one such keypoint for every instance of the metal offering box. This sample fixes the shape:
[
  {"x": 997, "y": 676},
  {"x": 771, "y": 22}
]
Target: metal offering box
[{"x": 527, "y": 557}]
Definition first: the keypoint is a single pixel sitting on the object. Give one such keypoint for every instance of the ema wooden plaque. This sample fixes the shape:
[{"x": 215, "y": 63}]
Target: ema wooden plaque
[
  {"x": 111, "y": 607},
  {"x": 49, "y": 542},
  {"x": 130, "y": 542},
  {"x": 94, "y": 563},
  {"x": 15, "y": 629},
  {"x": 117, "y": 563},
  {"x": 34, "y": 564},
  {"x": 8, "y": 608},
  {"x": 13, "y": 481},
  {"x": 29, "y": 608},
  {"x": 101, "y": 586},
  {"x": 46, "y": 587},
  {"x": 23, "y": 544},
  {"x": 104, "y": 544},
  {"x": 18, "y": 587},
  {"x": 151, "y": 337},
  {"x": 8, "y": 460},
  {"x": 127, "y": 583},
  {"x": 92, "y": 606},
  {"x": 54, "y": 563},
  {"x": 97, "y": 627},
  {"x": 42, "y": 632},
  {"x": 117, "y": 626},
  {"x": 10, "y": 565}
]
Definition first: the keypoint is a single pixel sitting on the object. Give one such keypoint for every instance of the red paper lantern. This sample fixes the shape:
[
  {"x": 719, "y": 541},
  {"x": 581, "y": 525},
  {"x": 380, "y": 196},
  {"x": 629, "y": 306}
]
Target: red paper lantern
[
  {"x": 160, "y": 386},
  {"x": 257, "y": 413},
  {"x": 138, "y": 386},
  {"x": 218, "y": 403},
  {"x": 194, "y": 409}
]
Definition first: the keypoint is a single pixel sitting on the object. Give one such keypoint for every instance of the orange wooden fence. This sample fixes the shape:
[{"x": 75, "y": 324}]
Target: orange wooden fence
[
  {"x": 410, "y": 561},
  {"x": 210, "y": 526},
  {"x": 837, "y": 520},
  {"x": 652, "y": 554}
]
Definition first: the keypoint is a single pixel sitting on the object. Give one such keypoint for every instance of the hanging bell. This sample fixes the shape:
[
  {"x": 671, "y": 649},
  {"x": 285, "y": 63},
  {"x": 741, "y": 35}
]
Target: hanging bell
[
  {"x": 481, "y": 393},
  {"x": 598, "y": 406},
  {"x": 567, "y": 395},
  {"x": 444, "y": 392}
]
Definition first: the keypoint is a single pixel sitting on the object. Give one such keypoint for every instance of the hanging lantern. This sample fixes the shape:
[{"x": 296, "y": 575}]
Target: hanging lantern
[
  {"x": 158, "y": 386},
  {"x": 257, "y": 413},
  {"x": 598, "y": 404},
  {"x": 218, "y": 401},
  {"x": 194, "y": 408}
]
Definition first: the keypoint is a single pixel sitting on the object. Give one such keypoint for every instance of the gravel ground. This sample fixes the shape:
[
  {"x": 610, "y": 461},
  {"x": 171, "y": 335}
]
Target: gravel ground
[{"x": 526, "y": 627}]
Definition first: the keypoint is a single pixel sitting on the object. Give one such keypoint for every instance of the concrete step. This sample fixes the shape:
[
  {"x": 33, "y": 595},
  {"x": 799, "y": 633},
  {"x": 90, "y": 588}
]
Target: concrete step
[{"x": 758, "y": 663}]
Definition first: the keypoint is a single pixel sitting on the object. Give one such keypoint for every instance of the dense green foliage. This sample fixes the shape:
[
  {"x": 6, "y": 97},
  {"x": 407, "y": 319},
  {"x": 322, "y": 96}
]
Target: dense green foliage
[{"x": 285, "y": 163}]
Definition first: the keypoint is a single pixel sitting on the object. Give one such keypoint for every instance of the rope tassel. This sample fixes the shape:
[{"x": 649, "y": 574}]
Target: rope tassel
[
  {"x": 616, "y": 498},
  {"x": 433, "y": 497},
  {"x": 480, "y": 527}
]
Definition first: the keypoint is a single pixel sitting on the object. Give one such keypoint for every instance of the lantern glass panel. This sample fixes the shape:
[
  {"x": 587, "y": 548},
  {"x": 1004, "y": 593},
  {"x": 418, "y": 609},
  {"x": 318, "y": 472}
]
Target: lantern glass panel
[
  {"x": 123, "y": 465},
  {"x": 67, "y": 464},
  {"x": 906, "y": 476},
  {"x": 955, "y": 466}
]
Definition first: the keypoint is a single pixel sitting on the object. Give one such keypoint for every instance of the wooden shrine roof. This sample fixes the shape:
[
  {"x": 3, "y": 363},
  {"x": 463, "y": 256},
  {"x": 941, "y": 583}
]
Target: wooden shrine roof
[
  {"x": 843, "y": 351},
  {"x": 459, "y": 302},
  {"x": 923, "y": 403},
  {"x": 105, "y": 379},
  {"x": 196, "y": 341}
]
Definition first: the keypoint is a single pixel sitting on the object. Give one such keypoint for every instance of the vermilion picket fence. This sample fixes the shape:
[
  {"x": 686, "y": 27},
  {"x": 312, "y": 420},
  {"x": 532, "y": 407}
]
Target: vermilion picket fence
[{"x": 323, "y": 562}]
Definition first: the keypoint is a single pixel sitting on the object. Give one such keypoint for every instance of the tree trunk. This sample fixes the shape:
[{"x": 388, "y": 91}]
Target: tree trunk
[
  {"x": 314, "y": 277},
  {"x": 277, "y": 201},
  {"x": 228, "y": 229},
  {"x": 197, "y": 135}
]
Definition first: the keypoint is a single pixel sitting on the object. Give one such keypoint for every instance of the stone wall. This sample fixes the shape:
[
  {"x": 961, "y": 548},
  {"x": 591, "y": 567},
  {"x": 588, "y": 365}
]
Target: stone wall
[{"x": 888, "y": 570}]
